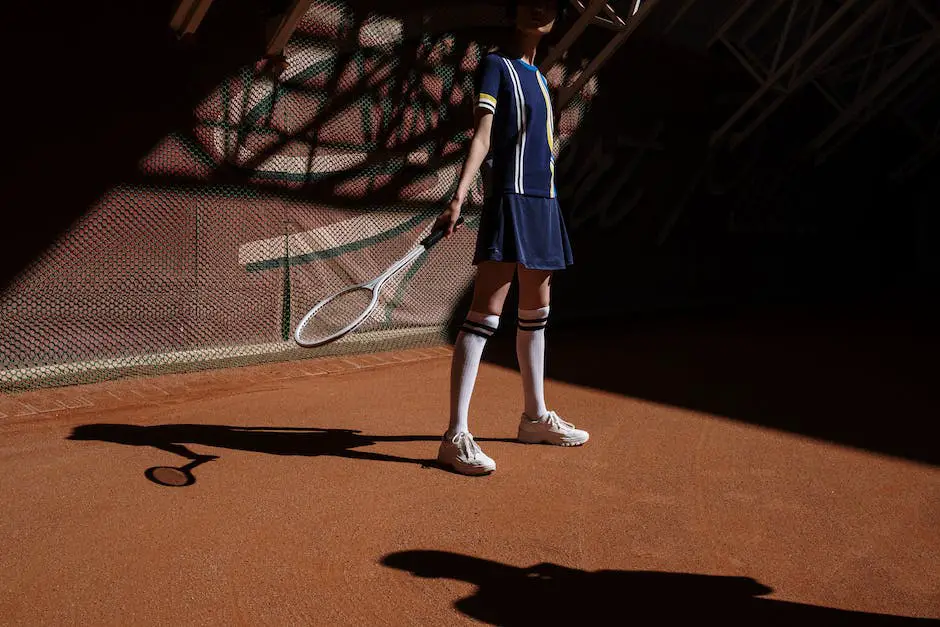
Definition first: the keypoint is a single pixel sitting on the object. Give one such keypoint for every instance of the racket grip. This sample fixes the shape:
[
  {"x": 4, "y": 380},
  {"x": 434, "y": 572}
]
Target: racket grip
[{"x": 437, "y": 235}]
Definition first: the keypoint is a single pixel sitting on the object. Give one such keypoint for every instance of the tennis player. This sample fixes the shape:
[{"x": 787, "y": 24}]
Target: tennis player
[{"x": 522, "y": 230}]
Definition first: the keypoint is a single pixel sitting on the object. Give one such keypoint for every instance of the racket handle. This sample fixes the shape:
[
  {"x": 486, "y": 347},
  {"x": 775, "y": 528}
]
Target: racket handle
[{"x": 437, "y": 235}]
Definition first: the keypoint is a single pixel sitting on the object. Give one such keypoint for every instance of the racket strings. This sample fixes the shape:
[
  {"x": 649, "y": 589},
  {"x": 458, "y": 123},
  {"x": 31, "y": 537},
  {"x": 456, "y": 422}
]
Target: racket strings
[{"x": 335, "y": 315}]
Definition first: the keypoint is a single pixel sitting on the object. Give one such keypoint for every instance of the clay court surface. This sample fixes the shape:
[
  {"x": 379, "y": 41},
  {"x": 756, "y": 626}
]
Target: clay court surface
[{"x": 324, "y": 507}]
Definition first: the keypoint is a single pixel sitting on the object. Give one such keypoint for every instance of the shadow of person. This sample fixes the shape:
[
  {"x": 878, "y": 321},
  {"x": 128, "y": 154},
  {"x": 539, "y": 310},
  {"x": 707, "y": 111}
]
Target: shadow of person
[
  {"x": 302, "y": 441},
  {"x": 552, "y": 594}
]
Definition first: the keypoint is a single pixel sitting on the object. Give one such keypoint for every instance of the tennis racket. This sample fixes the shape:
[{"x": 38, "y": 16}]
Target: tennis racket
[{"x": 335, "y": 316}]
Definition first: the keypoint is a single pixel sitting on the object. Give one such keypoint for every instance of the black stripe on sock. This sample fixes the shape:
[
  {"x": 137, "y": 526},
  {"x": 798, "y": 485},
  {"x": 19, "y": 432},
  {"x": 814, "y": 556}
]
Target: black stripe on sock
[
  {"x": 534, "y": 327},
  {"x": 478, "y": 325},
  {"x": 533, "y": 319},
  {"x": 472, "y": 331}
]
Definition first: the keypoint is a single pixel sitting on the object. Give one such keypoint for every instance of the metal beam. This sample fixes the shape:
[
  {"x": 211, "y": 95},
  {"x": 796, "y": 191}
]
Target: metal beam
[
  {"x": 682, "y": 11},
  {"x": 924, "y": 13},
  {"x": 906, "y": 79},
  {"x": 744, "y": 61},
  {"x": 864, "y": 59},
  {"x": 613, "y": 17},
  {"x": 876, "y": 48},
  {"x": 730, "y": 22},
  {"x": 842, "y": 64},
  {"x": 796, "y": 56},
  {"x": 916, "y": 98},
  {"x": 573, "y": 33},
  {"x": 768, "y": 13},
  {"x": 610, "y": 20},
  {"x": 866, "y": 105},
  {"x": 785, "y": 35},
  {"x": 814, "y": 15},
  {"x": 188, "y": 16},
  {"x": 810, "y": 72},
  {"x": 183, "y": 9},
  {"x": 568, "y": 92},
  {"x": 285, "y": 29}
]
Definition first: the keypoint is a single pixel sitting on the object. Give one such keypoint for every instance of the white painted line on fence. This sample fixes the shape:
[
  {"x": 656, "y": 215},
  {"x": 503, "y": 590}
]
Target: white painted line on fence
[
  {"x": 323, "y": 238},
  {"x": 208, "y": 355}
]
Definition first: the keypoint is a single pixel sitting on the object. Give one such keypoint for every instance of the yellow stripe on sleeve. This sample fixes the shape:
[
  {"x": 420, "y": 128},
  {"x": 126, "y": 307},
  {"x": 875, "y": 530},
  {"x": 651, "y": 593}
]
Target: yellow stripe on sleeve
[{"x": 488, "y": 99}]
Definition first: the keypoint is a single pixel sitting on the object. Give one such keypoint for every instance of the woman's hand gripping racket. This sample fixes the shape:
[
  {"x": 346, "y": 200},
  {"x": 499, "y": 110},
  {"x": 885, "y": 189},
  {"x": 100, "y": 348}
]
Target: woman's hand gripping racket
[{"x": 337, "y": 315}]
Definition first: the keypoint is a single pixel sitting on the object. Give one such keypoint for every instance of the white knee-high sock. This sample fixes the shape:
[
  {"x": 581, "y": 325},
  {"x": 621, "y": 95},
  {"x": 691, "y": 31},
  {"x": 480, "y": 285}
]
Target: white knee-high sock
[
  {"x": 530, "y": 350},
  {"x": 468, "y": 350}
]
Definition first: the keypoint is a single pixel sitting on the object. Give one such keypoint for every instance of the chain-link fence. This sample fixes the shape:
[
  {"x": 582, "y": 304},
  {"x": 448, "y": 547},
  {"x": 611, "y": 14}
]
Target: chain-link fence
[{"x": 283, "y": 191}]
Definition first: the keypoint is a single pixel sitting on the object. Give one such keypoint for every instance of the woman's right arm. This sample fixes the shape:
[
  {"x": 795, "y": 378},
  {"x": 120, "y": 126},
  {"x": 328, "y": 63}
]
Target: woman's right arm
[
  {"x": 488, "y": 88},
  {"x": 479, "y": 148}
]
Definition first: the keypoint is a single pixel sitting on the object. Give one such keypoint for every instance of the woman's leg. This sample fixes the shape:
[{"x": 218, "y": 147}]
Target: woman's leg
[
  {"x": 489, "y": 293},
  {"x": 534, "y": 299},
  {"x": 458, "y": 449},
  {"x": 538, "y": 424}
]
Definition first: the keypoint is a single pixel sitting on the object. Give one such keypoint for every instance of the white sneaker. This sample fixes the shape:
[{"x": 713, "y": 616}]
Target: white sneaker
[
  {"x": 464, "y": 455},
  {"x": 550, "y": 429}
]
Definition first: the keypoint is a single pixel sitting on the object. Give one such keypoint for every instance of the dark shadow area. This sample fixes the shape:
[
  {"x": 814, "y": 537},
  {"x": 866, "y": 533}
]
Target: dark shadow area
[
  {"x": 300, "y": 441},
  {"x": 98, "y": 85},
  {"x": 550, "y": 594},
  {"x": 854, "y": 376}
]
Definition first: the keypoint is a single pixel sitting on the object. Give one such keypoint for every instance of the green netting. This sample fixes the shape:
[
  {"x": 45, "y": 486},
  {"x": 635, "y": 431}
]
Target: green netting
[{"x": 284, "y": 191}]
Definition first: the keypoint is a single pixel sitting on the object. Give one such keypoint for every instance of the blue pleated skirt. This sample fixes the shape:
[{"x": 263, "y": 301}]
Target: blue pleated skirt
[{"x": 529, "y": 230}]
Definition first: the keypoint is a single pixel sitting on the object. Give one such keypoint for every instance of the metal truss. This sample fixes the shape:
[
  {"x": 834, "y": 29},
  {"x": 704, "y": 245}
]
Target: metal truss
[
  {"x": 286, "y": 27},
  {"x": 602, "y": 14},
  {"x": 189, "y": 15},
  {"x": 918, "y": 109},
  {"x": 860, "y": 55}
]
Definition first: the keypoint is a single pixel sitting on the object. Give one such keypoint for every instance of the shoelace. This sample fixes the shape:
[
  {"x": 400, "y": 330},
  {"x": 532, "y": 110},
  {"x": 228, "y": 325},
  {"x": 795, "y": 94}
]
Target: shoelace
[
  {"x": 466, "y": 444},
  {"x": 555, "y": 421}
]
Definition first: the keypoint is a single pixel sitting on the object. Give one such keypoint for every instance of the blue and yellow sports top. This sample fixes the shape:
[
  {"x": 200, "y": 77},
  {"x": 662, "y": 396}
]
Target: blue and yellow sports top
[{"x": 522, "y": 141}]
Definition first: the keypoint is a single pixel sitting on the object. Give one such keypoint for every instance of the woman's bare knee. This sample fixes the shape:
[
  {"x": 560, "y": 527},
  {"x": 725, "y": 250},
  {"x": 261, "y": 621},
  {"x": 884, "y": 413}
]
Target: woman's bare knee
[
  {"x": 534, "y": 288},
  {"x": 491, "y": 287}
]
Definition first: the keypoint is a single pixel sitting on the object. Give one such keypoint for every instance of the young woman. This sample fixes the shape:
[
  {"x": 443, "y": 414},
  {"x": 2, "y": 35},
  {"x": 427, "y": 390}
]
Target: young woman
[{"x": 522, "y": 230}]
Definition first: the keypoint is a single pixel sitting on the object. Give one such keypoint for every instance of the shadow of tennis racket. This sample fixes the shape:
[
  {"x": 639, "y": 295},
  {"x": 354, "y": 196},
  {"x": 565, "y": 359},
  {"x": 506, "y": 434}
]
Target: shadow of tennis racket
[{"x": 177, "y": 477}]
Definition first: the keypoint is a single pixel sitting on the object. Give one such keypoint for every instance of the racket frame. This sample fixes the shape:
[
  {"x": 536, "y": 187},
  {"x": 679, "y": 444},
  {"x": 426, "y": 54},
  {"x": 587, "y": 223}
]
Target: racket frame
[{"x": 375, "y": 285}]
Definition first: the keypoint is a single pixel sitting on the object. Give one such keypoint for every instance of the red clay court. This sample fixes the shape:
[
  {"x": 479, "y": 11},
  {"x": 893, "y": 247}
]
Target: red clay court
[{"x": 324, "y": 507}]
